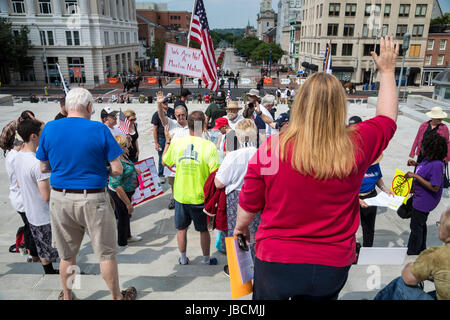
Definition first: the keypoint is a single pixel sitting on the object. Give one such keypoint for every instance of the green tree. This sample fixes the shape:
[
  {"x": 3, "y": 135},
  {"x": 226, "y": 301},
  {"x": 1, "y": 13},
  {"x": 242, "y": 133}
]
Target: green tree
[
  {"x": 157, "y": 50},
  {"x": 441, "y": 21},
  {"x": 13, "y": 50},
  {"x": 247, "y": 45},
  {"x": 265, "y": 51}
]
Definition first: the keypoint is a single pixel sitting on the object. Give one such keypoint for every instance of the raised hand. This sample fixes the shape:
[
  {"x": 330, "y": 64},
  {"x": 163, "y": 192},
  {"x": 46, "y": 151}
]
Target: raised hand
[
  {"x": 388, "y": 54},
  {"x": 160, "y": 97}
]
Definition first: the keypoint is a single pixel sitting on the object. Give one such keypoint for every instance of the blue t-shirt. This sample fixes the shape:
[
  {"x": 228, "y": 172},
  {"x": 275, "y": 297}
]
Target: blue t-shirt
[
  {"x": 77, "y": 150},
  {"x": 372, "y": 175}
]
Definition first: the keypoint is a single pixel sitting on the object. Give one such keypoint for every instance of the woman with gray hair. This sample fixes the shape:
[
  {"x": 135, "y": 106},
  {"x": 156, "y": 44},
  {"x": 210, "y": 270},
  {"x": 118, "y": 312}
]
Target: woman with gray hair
[{"x": 231, "y": 177}]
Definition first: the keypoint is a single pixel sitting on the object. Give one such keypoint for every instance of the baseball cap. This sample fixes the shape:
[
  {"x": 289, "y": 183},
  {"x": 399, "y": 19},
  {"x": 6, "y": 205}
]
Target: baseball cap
[
  {"x": 108, "y": 111},
  {"x": 166, "y": 99},
  {"x": 283, "y": 118},
  {"x": 220, "y": 122},
  {"x": 354, "y": 120}
]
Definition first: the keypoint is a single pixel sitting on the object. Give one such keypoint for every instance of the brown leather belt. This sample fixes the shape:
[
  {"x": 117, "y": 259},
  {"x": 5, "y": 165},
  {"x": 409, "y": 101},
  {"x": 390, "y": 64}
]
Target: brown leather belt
[{"x": 80, "y": 190}]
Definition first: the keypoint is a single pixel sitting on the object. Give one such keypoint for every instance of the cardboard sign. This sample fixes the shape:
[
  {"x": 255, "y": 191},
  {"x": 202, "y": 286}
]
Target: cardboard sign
[
  {"x": 149, "y": 186},
  {"x": 285, "y": 81},
  {"x": 183, "y": 60},
  {"x": 401, "y": 186}
]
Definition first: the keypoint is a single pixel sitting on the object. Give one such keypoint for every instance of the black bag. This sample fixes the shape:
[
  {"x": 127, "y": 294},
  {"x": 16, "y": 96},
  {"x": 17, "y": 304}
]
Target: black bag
[
  {"x": 405, "y": 210},
  {"x": 446, "y": 177}
]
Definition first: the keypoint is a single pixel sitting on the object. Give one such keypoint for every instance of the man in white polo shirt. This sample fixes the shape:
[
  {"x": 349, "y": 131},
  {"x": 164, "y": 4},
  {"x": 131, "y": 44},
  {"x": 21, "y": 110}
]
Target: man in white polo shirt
[{"x": 109, "y": 118}]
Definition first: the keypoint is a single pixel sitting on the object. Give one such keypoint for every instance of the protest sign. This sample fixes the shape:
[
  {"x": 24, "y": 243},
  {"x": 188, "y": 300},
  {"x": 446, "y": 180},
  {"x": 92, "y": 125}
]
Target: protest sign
[
  {"x": 183, "y": 60},
  {"x": 401, "y": 186},
  {"x": 149, "y": 186},
  {"x": 238, "y": 287}
]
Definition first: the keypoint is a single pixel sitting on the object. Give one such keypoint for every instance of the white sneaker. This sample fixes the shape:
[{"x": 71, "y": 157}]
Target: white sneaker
[
  {"x": 135, "y": 239},
  {"x": 122, "y": 248}
]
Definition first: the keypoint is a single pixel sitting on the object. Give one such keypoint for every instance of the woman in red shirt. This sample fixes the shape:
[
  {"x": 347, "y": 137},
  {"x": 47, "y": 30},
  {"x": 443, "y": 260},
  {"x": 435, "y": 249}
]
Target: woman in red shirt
[{"x": 306, "y": 181}]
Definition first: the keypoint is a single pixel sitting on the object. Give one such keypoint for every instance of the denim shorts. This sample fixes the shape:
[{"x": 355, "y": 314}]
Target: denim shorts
[{"x": 186, "y": 213}]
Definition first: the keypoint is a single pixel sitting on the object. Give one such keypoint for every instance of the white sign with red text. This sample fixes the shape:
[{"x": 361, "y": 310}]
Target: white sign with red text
[{"x": 183, "y": 60}]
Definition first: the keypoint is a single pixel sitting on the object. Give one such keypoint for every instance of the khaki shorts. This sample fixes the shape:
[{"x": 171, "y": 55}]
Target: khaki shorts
[{"x": 72, "y": 213}]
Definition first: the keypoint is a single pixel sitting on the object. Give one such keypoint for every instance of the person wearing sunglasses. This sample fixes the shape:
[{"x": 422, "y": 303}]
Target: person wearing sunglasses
[{"x": 133, "y": 149}]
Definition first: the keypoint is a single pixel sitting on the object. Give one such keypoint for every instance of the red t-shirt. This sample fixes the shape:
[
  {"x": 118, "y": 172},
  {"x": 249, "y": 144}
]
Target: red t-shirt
[{"x": 305, "y": 220}]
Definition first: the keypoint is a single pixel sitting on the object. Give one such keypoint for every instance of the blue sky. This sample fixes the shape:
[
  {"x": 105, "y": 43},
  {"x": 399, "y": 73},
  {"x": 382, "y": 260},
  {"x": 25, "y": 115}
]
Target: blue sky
[{"x": 235, "y": 13}]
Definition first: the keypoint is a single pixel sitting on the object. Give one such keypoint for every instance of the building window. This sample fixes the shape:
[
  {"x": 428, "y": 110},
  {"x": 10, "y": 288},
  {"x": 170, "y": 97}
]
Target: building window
[
  {"x": 414, "y": 50},
  {"x": 417, "y": 30},
  {"x": 106, "y": 38},
  {"x": 387, "y": 10},
  {"x": 350, "y": 9},
  {"x": 102, "y": 7},
  {"x": 320, "y": 30},
  {"x": 332, "y": 29},
  {"x": 68, "y": 38},
  {"x": 430, "y": 45},
  {"x": 440, "y": 60},
  {"x": 365, "y": 32},
  {"x": 368, "y": 48},
  {"x": 421, "y": 10},
  {"x": 375, "y": 30},
  {"x": 321, "y": 10},
  {"x": 404, "y": 10},
  {"x": 45, "y": 7},
  {"x": 43, "y": 38},
  {"x": 116, "y": 38},
  {"x": 76, "y": 69},
  {"x": 71, "y": 6},
  {"x": 384, "y": 30},
  {"x": 128, "y": 37},
  {"x": 122, "y": 38},
  {"x": 401, "y": 30},
  {"x": 428, "y": 59},
  {"x": 52, "y": 69},
  {"x": 367, "y": 9},
  {"x": 347, "y": 49},
  {"x": 442, "y": 44},
  {"x": 18, "y": 6},
  {"x": 51, "y": 41},
  {"x": 334, "y": 9},
  {"x": 76, "y": 38},
  {"x": 333, "y": 49},
  {"x": 349, "y": 30}
]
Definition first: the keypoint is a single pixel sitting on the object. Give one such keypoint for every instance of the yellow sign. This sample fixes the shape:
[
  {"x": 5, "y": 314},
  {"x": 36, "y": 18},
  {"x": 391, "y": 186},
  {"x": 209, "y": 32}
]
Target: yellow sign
[
  {"x": 401, "y": 186},
  {"x": 237, "y": 288}
]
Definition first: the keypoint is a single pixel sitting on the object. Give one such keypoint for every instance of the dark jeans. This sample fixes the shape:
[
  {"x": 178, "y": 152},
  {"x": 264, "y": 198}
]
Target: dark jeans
[
  {"x": 162, "y": 144},
  {"x": 418, "y": 238},
  {"x": 28, "y": 237},
  {"x": 399, "y": 290},
  {"x": 281, "y": 281},
  {"x": 123, "y": 218},
  {"x": 368, "y": 216}
]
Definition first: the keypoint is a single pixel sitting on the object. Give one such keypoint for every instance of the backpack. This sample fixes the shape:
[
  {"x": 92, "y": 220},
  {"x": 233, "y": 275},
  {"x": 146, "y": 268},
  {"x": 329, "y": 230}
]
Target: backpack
[
  {"x": 288, "y": 93},
  {"x": 278, "y": 93},
  {"x": 20, "y": 241}
]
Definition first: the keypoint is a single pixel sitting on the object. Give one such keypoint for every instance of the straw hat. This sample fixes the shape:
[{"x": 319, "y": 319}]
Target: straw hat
[
  {"x": 254, "y": 93},
  {"x": 233, "y": 105},
  {"x": 436, "y": 113}
]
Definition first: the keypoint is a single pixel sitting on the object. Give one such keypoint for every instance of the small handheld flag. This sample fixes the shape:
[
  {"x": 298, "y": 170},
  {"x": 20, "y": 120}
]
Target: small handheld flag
[{"x": 124, "y": 123}]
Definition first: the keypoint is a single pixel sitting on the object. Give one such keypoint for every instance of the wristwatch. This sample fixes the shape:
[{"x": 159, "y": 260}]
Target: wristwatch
[{"x": 259, "y": 113}]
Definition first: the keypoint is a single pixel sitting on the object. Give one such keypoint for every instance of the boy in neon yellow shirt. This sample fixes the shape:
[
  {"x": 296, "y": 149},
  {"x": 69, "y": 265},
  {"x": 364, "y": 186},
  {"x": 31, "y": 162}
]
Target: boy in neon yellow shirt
[{"x": 195, "y": 159}]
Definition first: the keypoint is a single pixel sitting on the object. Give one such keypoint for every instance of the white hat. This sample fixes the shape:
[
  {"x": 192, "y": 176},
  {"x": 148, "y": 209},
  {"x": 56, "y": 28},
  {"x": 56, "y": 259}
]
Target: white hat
[
  {"x": 436, "y": 113},
  {"x": 268, "y": 99}
]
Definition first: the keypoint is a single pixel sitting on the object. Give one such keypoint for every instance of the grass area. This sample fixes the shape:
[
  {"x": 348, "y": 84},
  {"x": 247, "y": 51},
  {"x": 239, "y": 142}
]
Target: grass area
[{"x": 447, "y": 120}]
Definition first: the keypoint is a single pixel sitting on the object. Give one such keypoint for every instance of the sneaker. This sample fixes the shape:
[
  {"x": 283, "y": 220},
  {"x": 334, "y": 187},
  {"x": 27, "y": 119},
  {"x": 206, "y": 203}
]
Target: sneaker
[
  {"x": 122, "y": 248},
  {"x": 172, "y": 204},
  {"x": 135, "y": 239},
  {"x": 212, "y": 261},
  {"x": 226, "y": 271},
  {"x": 187, "y": 261},
  {"x": 129, "y": 294}
]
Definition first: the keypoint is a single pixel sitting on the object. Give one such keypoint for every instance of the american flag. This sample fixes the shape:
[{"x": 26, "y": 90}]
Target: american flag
[
  {"x": 124, "y": 124},
  {"x": 229, "y": 96},
  {"x": 66, "y": 86},
  {"x": 199, "y": 32},
  {"x": 327, "y": 65}
]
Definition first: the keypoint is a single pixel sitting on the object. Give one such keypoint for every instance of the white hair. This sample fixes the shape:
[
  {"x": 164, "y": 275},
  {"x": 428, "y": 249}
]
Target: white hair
[
  {"x": 77, "y": 99},
  {"x": 246, "y": 131},
  {"x": 268, "y": 100}
]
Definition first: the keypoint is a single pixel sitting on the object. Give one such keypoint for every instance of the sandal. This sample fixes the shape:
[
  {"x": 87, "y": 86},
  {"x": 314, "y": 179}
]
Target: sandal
[
  {"x": 129, "y": 294},
  {"x": 61, "y": 295}
]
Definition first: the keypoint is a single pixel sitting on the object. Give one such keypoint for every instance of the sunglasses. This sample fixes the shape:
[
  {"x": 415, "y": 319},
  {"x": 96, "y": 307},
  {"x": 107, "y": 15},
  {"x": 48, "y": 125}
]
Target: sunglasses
[{"x": 132, "y": 119}]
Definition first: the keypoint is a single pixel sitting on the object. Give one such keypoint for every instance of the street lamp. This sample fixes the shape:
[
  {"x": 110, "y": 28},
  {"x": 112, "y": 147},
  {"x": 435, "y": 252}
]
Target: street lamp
[
  {"x": 44, "y": 58},
  {"x": 405, "y": 46},
  {"x": 270, "y": 61}
]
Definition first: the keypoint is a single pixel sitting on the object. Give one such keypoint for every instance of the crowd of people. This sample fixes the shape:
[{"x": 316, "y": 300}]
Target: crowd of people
[{"x": 238, "y": 173}]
